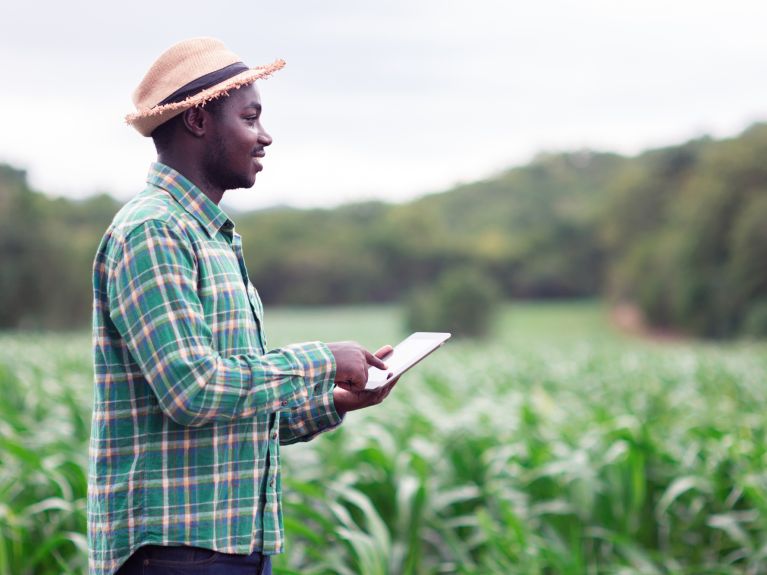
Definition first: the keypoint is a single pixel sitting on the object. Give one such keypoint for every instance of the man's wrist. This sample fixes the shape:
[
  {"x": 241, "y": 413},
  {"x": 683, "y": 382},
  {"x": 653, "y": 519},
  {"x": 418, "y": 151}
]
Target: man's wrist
[{"x": 339, "y": 404}]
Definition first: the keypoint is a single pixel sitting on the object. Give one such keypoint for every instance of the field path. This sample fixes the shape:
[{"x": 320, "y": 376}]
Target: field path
[{"x": 628, "y": 318}]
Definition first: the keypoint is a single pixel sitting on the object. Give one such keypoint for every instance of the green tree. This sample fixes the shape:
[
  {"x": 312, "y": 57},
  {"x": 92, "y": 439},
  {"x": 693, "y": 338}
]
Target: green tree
[{"x": 463, "y": 302}]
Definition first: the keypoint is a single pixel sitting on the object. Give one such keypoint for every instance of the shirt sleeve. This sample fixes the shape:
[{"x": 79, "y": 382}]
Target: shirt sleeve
[
  {"x": 306, "y": 421},
  {"x": 155, "y": 306}
]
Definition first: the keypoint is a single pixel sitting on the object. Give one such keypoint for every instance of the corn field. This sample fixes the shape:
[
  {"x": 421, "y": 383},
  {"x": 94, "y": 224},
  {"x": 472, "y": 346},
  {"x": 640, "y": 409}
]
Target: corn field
[{"x": 556, "y": 447}]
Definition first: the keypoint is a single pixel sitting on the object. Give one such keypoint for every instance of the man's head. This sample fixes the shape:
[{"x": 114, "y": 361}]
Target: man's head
[
  {"x": 224, "y": 138},
  {"x": 199, "y": 99}
]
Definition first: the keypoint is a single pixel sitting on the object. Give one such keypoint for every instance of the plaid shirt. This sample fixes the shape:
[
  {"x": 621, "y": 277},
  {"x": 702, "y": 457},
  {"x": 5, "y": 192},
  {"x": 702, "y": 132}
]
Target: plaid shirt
[{"x": 189, "y": 407}]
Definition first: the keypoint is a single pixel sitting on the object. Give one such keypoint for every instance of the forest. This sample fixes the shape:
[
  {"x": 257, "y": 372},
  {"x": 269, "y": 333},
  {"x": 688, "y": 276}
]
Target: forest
[{"x": 680, "y": 232}]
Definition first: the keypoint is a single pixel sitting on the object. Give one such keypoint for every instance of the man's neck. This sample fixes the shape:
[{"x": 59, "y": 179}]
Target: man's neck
[{"x": 192, "y": 172}]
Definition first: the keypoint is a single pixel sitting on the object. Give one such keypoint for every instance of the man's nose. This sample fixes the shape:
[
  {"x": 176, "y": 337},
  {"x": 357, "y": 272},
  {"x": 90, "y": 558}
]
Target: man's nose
[{"x": 264, "y": 138}]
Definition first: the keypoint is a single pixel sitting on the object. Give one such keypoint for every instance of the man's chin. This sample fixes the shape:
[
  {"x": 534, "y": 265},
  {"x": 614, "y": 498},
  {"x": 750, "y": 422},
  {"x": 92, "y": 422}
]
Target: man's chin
[
  {"x": 251, "y": 181},
  {"x": 243, "y": 184}
]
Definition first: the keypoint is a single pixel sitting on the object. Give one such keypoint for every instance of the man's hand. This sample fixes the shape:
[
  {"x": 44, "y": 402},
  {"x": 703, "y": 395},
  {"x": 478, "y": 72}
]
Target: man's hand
[
  {"x": 350, "y": 399},
  {"x": 352, "y": 362}
]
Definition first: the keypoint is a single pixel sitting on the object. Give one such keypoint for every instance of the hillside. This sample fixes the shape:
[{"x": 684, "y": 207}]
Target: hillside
[{"x": 678, "y": 230}]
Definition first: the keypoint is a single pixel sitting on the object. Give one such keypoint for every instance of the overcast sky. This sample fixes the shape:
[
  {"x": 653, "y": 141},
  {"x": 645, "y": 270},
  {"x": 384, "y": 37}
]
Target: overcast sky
[{"x": 386, "y": 99}]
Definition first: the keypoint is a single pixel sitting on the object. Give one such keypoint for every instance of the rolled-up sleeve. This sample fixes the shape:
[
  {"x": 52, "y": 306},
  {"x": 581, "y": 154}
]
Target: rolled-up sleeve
[{"x": 155, "y": 307}]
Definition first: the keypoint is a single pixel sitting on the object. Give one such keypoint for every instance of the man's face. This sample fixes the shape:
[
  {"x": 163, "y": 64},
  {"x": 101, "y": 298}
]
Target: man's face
[{"x": 237, "y": 140}]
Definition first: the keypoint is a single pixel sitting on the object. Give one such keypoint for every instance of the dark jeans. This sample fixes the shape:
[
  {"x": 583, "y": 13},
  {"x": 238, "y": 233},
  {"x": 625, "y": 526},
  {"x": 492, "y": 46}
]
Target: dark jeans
[{"x": 179, "y": 560}]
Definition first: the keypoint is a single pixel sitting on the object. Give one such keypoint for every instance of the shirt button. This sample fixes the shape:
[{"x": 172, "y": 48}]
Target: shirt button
[
  {"x": 271, "y": 483},
  {"x": 274, "y": 435},
  {"x": 284, "y": 403}
]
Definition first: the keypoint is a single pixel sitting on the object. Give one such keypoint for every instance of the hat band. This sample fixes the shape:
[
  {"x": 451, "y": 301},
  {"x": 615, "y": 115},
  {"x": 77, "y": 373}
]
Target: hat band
[{"x": 204, "y": 82}]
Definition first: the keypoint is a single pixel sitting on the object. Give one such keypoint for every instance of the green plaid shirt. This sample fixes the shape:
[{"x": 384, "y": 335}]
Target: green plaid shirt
[{"x": 189, "y": 406}]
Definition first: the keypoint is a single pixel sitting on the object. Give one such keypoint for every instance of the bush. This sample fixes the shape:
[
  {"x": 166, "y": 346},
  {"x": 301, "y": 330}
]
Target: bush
[
  {"x": 462, "y": 302},
  {"x": 755, "y": 324}
]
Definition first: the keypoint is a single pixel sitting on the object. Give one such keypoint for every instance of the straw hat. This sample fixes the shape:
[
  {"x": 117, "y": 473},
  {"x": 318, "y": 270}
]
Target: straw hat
[{"x": 189, "y": 74}]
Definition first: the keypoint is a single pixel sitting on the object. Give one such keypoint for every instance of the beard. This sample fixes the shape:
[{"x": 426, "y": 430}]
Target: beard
[{"x": 220, "y": 173}]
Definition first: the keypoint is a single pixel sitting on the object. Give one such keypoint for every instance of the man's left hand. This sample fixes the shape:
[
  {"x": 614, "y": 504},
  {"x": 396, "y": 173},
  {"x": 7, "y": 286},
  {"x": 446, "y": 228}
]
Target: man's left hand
[{"x": 348, "y": 400}]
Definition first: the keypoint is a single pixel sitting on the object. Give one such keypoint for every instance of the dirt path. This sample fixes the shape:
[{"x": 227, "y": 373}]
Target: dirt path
[{"x": 628, "y": 318}]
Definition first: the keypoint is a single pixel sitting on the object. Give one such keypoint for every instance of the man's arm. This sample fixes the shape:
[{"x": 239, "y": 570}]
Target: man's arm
[{"x": 155, "y": 307}]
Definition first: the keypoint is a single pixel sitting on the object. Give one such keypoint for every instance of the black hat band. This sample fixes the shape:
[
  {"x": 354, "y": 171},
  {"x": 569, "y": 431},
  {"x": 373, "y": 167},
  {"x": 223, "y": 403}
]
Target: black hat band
[{"x": 204, "y": 82}]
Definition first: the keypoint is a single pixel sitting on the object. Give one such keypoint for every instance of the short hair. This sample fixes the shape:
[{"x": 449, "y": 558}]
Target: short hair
[
  {"x": 164, "y": 133},
  {"x": 214, "y": 106}
]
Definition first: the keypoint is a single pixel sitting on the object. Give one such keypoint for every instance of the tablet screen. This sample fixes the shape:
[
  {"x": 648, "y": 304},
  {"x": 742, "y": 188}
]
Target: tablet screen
[{"x": 405, "y": 355}]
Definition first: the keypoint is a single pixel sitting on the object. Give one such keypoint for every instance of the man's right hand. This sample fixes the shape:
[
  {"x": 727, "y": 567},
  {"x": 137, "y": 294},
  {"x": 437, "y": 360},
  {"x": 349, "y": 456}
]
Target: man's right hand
[{"x": 352, "y": 362}]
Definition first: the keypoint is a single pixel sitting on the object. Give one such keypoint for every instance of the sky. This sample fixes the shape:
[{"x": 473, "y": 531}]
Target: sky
[{"x": 383, "y": 100}]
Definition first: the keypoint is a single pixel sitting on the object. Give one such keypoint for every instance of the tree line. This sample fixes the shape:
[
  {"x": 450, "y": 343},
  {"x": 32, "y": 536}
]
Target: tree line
[{"x": 679, "y": 231}]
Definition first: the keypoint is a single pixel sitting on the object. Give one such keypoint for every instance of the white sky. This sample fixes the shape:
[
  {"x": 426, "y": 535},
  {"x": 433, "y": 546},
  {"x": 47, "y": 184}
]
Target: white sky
[{"x": 386, "y": 99}]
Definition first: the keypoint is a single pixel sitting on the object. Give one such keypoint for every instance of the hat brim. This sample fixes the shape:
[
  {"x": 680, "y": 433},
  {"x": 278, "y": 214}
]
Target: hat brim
[{"x": 145, "y": 121}]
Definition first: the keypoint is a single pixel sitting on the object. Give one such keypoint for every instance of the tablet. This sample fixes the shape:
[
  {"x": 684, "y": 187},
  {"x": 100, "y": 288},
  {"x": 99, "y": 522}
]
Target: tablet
[{"x": 405, "y": 355}]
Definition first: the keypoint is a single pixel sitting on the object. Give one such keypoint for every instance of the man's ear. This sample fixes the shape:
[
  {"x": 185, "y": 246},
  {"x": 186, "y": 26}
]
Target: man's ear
[{"x": 196, "y": 121}]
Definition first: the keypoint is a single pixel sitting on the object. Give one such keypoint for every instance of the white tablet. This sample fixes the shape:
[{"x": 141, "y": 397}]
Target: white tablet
[{"x": 405, "y": 355}]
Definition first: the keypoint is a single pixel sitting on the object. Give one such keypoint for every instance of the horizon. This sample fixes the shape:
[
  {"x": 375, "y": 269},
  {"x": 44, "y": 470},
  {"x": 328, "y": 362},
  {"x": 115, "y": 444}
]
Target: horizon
[
  {"x": 387, "y": 102},
  {"x": 229, "y": 207}
]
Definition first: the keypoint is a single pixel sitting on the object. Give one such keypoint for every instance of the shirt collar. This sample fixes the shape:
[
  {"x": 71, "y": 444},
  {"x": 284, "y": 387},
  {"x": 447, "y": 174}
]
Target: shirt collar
[{"x": 191, "y": 198}]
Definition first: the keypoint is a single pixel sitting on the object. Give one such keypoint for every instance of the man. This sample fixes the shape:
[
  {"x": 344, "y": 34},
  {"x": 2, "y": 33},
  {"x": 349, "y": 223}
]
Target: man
[{"x": 189, "y": 406}]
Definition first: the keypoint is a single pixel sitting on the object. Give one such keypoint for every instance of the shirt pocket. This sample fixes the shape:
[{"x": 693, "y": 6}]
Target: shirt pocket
[
  {"x": 226, "y": 299},
  {"x": 231, "y": 298}
]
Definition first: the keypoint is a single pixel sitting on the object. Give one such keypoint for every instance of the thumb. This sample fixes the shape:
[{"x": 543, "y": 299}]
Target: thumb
[{"x": 384, "y": 351}]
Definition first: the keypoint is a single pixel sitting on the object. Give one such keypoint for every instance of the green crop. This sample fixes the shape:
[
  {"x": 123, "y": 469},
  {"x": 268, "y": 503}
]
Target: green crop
[
  {"x": 555, "y": 447},
  {"x": 44, "y": 427}
]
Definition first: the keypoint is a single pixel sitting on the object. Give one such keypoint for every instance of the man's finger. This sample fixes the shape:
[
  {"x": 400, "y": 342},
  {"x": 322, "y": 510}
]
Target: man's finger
[
  {"x": 384, "y": 391},
  {"x": 391, "y": 383},
  {"x": 374, "y": 361}
]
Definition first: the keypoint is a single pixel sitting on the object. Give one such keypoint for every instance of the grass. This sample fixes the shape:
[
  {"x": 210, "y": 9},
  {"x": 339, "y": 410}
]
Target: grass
[{"x": 556, "y": 447}]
